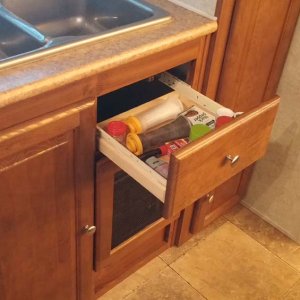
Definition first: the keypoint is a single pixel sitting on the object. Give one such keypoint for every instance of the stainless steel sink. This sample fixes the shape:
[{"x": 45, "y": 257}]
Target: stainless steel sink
[
  {"x": 14, "y": 39},
  {"x": 29, "y": 28}
]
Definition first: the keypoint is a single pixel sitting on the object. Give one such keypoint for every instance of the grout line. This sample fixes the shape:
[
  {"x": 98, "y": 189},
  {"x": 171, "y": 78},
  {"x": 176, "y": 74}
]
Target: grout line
[
  {"x": 147, "y": 280},
  {"x": 284, "y": 294},
  {"x": 168, "y": 265},
  {"x": 253, "y": 238},
  {"x": 269, "y": 221},
  {"x": 264, "y": 247},
  {"x": 130, "y": 293},
  {"x": 196, "y": 242},
  {"x": 193, "y": 244},
  {"x": 181, "y": 255},
  {"x": 258, "y": 242},
  {"x": 198, "y": 292},
  {"x": 159, "y": 256}
]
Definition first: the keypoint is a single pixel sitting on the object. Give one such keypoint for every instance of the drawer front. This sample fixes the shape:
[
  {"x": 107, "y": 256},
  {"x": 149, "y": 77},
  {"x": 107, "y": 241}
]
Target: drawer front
[{"x": 203, "y": 165}]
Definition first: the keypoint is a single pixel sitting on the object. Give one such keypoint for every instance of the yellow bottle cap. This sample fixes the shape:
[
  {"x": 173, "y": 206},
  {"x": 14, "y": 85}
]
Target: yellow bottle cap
[
  {"x": 134, "y": 124},
  {"x": 134, "y": 144}
]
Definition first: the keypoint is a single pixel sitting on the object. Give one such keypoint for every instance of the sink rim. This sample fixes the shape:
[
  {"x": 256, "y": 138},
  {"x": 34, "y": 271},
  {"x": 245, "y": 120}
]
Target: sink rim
[{"x": 58, "y": 44}]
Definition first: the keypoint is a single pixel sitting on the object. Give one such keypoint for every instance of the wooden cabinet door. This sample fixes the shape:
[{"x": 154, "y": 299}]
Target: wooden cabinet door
[
  {"x": 39, "y": 217},
  {"x": 37, "y": 223},
  {"x": 130, "y": 227}
]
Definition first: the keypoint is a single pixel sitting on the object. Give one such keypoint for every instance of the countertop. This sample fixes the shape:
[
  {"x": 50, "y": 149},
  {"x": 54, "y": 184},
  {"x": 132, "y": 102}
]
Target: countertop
[{"x": 56, "y": 70}]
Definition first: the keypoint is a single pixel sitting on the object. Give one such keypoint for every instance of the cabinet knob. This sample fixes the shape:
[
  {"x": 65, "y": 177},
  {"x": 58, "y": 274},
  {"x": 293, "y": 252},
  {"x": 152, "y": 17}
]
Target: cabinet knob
[
  {"x": 89, "y": 230},
  {"x": 210, "y": 198},
  {"x": 233, "y": 159}
]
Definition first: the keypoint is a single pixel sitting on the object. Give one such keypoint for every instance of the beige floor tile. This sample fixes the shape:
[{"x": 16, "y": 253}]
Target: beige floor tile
[
  {"x": 165, "y": 285},
  {"x": 174, "y": 253},
  {"x": 293, "y": 293},
  {"x": 231, "y": 265},
  {"x": 293, "y": 259},
  {"x": 265, "y": 234},
  {"x": 135, "y": 280}
]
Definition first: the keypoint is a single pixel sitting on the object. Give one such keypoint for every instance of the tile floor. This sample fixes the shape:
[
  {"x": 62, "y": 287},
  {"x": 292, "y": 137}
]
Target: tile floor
[{"x": 239, "y": 256}]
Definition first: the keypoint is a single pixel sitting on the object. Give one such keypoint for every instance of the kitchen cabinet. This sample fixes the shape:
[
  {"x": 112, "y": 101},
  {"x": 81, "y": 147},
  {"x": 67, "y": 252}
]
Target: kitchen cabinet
[
  {"x": 233, "y": 56},
  {"x": 245, "y": 60},
  {"x": 48, "y": 161},
  {"x": 193, "y": 171},
  {"x": 48, "y": 172},
  {"x": 113, "y": 261},
  {"x": 45, "y": 252},
  {"x": 213, "y": 205}
]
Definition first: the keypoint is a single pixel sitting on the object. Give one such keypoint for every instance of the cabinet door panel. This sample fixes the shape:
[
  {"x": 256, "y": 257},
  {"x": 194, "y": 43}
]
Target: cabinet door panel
[
  {"x": 130, "y": 227},
  {"x": 37, "y": 222}
]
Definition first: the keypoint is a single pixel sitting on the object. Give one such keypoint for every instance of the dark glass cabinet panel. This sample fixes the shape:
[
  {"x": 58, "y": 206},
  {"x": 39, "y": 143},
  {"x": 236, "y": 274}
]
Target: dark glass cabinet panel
[{"x": 134, "y": 208}]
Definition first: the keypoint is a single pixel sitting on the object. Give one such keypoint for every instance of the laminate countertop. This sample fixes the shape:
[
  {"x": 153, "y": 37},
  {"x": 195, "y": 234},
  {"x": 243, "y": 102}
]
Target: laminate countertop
[{"x": 53, "y": 71}]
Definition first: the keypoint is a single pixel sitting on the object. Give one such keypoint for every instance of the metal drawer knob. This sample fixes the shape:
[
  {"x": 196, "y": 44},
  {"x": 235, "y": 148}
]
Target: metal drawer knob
[
  {"x": 233, "y": 159},
  {"x": 210, "y": 198},
  {"x": 89, "y": 230}
]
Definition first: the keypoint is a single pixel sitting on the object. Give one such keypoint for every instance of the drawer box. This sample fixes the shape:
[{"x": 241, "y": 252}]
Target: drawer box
[{"x": 203, "y": 164}]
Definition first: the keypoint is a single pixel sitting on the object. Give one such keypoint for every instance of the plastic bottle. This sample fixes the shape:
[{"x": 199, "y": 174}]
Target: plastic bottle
[
  {"x": 198, "y": 131},
  {"x": 198, "y": 115},
  {"x": 172, "y": 146},
  {"x": 165, "y": 149},
  {"x": 163, "y": 112},
  {"x": 140, "y": 143},
  {"x": 118, "y": 130},
  {"x": 158, "y": 165},
  {"x": 222, "y": 120},
  {"x": 227, "y": 112},
  {"x": 224, "y": 111}
]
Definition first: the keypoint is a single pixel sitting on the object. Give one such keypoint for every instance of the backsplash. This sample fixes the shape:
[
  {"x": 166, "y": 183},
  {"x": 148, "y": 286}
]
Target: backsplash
[{"x": 207, "y": 6}]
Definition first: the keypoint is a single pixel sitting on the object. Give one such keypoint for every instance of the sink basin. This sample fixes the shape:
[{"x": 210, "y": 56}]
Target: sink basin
[
  {"x": 14, "y": 40},
  {"x": 56, "y": 18},
  {"x": 38, "y": 26}
]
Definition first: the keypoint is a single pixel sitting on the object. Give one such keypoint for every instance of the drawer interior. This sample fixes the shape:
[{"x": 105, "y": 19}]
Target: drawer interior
[
  {"x": 136, "y": 94},
  {"x": 127, "y": 161},
  {"x": 203, "y": 164},
  {"x": 129, "y": 97}
]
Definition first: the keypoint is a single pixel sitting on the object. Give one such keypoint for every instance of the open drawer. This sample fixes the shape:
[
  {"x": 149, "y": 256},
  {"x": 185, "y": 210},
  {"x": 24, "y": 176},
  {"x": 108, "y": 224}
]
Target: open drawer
[{"x": 203, "y": 164}]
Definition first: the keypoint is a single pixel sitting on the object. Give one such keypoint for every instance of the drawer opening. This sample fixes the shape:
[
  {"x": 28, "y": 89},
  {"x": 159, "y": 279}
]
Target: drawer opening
[
  {"x": 130, "y": 163},
  {"x": 136, "y": 94},
  {"x": 204, "y": 163}
]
